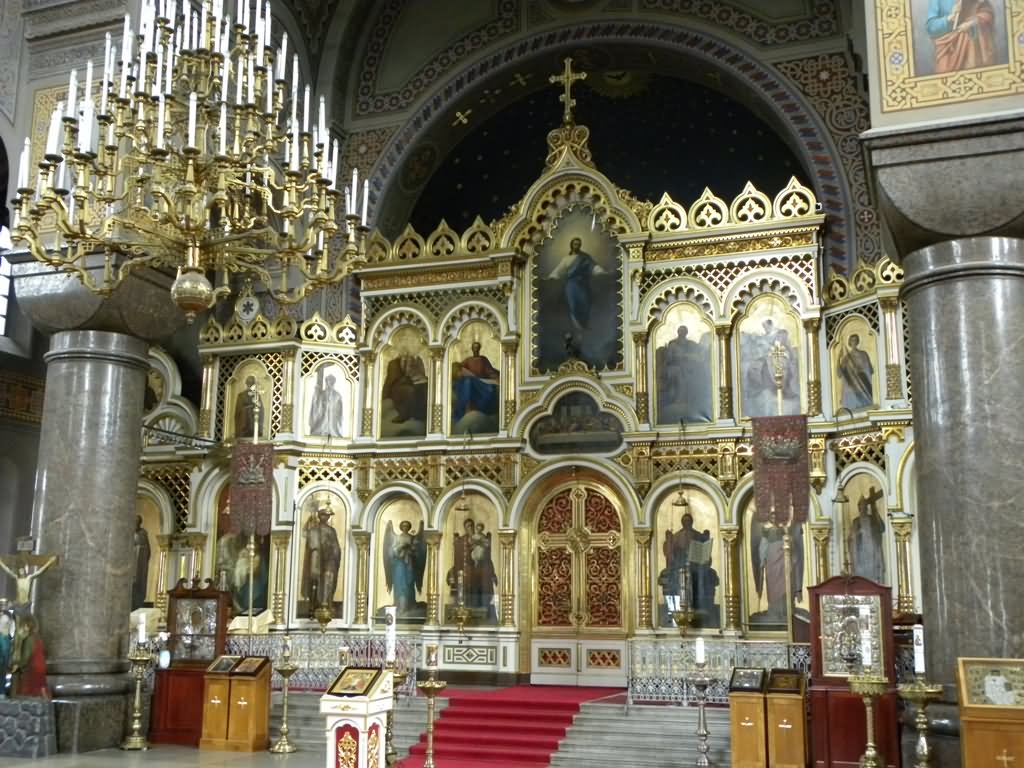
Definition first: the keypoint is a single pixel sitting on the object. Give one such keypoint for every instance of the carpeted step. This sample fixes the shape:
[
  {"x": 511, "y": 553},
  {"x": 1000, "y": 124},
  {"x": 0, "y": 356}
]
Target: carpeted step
[{"x": 473, "y": 721}]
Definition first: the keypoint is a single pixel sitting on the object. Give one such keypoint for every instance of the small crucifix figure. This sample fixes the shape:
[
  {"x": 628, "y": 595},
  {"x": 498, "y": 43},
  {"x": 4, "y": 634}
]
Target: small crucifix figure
[
  {"x": 779, "y": 355},
  {"x": 25, "y": 569},
  {"x": 567, "y": 78}
]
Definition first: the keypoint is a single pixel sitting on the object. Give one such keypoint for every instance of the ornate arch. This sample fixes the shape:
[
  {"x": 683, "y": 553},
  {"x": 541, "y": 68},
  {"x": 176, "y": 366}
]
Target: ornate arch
[
  {"x": 614, "y": 403},
  {"x": 765, "y": 281},
  {"x": 687, "y": 289},
  {"x": 389, "y": 322},
  {"x": 390, "y": 492},
  {"x": 669, "y": 484},
  {"x": 467, "y": 311},
  {"x": 774, "y": 92}
]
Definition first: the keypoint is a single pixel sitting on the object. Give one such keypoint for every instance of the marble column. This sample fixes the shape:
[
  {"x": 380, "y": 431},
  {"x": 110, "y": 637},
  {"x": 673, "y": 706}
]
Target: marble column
[
  {"x": 86, "y": 484},
  {"x": 966, "y": 306}
]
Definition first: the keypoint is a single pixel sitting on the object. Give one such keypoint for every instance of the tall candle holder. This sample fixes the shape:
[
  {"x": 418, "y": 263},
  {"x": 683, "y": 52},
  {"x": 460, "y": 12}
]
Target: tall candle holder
[
  {"x": 286, "y": 668},
  {"x": 431, "y": 688},
  {"x": 701, "y": 681},
  {"x": 920, "y": 693},
  {"x": 869, "y": 687},
  {"x": 142, "y": 656},
  {"x": 398, "y": 680}
]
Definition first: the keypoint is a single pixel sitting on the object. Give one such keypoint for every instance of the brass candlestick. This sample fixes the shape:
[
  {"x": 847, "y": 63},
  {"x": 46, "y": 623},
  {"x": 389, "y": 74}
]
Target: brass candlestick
[
  {"x": 431, "y": 687},
  {"x": 397, "y": 681},
  {"x": 285, "y": 669},
  {"x": 141, "y": 658},
  {"x": 869, "y": 687},
  {"x": 701, "y": 681},
  {"x": 919, "y": 693}
]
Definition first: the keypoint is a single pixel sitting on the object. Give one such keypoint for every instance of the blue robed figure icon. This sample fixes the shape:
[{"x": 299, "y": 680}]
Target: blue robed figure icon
[{"x": 577, "y": 268}]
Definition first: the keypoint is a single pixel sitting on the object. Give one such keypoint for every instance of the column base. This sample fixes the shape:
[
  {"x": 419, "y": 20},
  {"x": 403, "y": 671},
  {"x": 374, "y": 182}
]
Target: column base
[{"x": 88, "y": 723}]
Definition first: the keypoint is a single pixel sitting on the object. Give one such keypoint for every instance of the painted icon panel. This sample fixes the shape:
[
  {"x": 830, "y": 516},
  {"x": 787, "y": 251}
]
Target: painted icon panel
[
  {"x": 404, "y": 388},
  {"x": 683, "y": 344},
  {"x": 475, "y": 357},
  {"x": 770, "y": 362}
]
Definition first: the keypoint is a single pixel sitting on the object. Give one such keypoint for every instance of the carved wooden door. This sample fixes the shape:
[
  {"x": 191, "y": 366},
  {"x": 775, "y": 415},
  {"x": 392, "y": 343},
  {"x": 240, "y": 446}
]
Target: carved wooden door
[{"x": 579, "y": 618}]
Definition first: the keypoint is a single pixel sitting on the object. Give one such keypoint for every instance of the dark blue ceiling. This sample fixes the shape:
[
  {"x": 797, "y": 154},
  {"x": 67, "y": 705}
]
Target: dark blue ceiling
[{"x": 648, "y": 133}]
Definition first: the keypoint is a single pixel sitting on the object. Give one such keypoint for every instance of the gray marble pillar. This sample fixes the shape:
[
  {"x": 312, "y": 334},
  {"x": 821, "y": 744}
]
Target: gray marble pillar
[
  {"x": 86, "y": 483},
  {"x": 966, "y": 311}
]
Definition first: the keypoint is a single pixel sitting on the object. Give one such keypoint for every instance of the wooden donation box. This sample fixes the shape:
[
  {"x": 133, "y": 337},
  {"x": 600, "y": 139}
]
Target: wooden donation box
[
  {"x": 197, "y": 622},
  {"x": 787, "y": 719},
  {"x": 356, "y": 707},
  {"x": 840, "y": 606},
  {"x": 747, "y": 716},
  {"x": 991, "y": 693},
  {"x": 236, "y": 704}
]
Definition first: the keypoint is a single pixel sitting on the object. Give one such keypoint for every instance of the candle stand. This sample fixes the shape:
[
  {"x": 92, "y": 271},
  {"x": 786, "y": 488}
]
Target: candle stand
[
  {"x": 398, "y": 680},
  {"x": 285, "y": 669},
  {"x": 869, "y": 688},
  {"x": 141, "y": 656},
  {"x": 920, "y": 693},
  {"x": 431, "y": 688},
  {"x": 701, "y": 681}
]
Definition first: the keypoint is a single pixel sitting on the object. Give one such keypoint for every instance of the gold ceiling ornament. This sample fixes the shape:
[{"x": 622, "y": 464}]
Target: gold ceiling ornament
[{"x": 187, "y": 157}]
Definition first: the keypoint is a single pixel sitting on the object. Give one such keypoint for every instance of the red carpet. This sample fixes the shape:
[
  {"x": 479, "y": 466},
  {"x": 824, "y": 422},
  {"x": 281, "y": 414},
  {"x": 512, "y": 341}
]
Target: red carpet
[{"x": 517, "y": 727}]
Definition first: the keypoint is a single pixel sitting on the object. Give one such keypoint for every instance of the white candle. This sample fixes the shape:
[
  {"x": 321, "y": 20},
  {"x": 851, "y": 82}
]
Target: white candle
[
  {"x": 53, "y": 134},
  {"x": 305, "y": 110},
  {"x": 355, "y": 191},
  {"x": 366, "y": 199},
  {"x": 321, "y": 123},
  {"x": 186, "y": 26},
  {"x": 295, "y": 85},
  {"x": 296, "y": 148},
  {"x": 142, "y": 629},
  {"x": 160, "y": 118},
  {"x": 85, "y": 132},
  {"x": 245, "y": 15},
  {"x": 72, "y": 93},
  {"x": 192, "y": 119},
  {"x": 169, "y": 74},
  {"x": 334, "y": 164},
  {"x": 26, "y": 154},
  {"x": 252, "y": 79},
  {"x": 60, "y": 176},
  {"x": 238, "y": 10},
  {"x": 239, "y": 79},
  {"x": 158, "y": 72},
  {"x": 390, "y": 633},
  {"x": 283, "y": 55},
  {"x": 222, "y": 128},
  {"x": 126, "y": 39},
  {"x": 202, "y": 26},
  {"x": 287, "y": 645},
  {"x": 918, "y": 649},
  {"x": 88, "y": 82},
  {"x": 699, "y": 651},
  {"x": 108, "y": 78}
]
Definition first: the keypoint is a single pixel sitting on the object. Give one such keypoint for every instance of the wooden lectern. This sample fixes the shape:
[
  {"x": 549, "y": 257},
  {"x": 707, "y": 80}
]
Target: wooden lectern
[
  {"x": 747, "y": 716},
  {"x": 787, "y": 722},
  {"x": 838, "y": 718},
  {"x": 991, "y": 693},
  {"x": 236, "y": 704}
]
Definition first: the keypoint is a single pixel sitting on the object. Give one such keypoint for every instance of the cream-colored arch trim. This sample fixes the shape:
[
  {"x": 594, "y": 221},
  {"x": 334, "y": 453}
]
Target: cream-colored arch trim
[
  {"x": 448, "y": 499},
  {"x": 904, "y": 477},
  {"x": 607, "y": 399},
  {"x": 860, "y": 468},
  {"x": 612, "y": 473},
  {"x": 680, "y": 290},
  {"x": 765, "y": 280},
  {"x": 669, "y": 484},
  {"x": 461, "y": 314},
  {"x": 204, "y": 499},
  {"x": 389, "y": 492},
  {"x": 569, "y": 184},
  {"x": 321, "y": 486},
  {"x": 391, "y": 320},
  {"x": 159, "y": 496}
]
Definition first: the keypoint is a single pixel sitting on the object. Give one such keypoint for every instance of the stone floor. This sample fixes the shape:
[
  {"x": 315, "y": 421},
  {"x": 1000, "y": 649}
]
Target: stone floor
[{"x": 162, "y": 756}]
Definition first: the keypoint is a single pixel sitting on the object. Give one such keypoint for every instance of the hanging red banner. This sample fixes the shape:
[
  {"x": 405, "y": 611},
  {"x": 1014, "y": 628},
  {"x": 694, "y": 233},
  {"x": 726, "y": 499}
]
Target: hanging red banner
[
  {"x": 252, "y": 488},
  {"x": 781, "y": 472}
]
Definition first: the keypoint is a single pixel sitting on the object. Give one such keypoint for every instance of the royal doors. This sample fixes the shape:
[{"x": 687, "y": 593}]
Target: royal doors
[{"x": 579, "y": 608}]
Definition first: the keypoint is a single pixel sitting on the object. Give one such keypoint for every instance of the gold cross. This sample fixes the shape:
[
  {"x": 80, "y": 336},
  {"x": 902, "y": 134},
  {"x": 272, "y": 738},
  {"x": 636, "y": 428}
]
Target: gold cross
[
  {"x": 1005, "y": 759},
  {"x": 567, "y": 78},
  {"x": 462, "y": 118}
]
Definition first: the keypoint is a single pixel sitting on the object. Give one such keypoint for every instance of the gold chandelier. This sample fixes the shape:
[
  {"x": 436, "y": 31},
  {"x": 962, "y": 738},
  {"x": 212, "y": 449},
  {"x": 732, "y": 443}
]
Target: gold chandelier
[{"x": 193, "y": 154}]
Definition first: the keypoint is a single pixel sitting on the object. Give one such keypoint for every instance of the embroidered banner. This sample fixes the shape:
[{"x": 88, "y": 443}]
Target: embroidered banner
[
  {"x": 252, "y": 488},
  {"x": 781, "y": 473}
]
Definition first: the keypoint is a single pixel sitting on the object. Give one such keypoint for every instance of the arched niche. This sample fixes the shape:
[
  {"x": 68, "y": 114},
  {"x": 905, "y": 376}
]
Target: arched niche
[{"x": 685, "y": 381}]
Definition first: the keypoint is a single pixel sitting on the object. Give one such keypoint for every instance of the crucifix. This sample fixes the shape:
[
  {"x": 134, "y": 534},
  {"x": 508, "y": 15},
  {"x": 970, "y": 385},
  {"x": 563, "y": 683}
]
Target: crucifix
[
  {"x": 25, "y": 568},
  {"x": 779, "y": 355},
  {"x": 567, "y": 78}
]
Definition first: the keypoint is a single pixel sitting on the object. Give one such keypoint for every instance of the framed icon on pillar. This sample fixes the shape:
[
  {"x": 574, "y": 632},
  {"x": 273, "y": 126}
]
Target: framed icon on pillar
[{"x": 991, "y": 694}]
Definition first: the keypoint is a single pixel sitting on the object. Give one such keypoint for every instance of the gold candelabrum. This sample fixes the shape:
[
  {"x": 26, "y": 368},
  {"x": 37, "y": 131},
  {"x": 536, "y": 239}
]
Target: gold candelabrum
[
  {"x": 920, "y": 693},
  {"x": 285, "y": 668},
  {"x": 869, "y": 687},
  {"x": 431, "y": 688},
  {"x": 199, "y": 153},
  {"x": 142, "y": 656},
  {"x": 398, "y": 679}
]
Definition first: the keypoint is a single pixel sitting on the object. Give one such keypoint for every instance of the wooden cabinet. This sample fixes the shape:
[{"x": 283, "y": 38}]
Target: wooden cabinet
[
  {"x": 749, "y": 743},
  {"x": 838, "y": 717},
  {"x": 787, "y": 720},
  {"x": 177, "y": 711},
  {"x": 991, "y": 694},
  {"x": 236, "y": 708}
]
